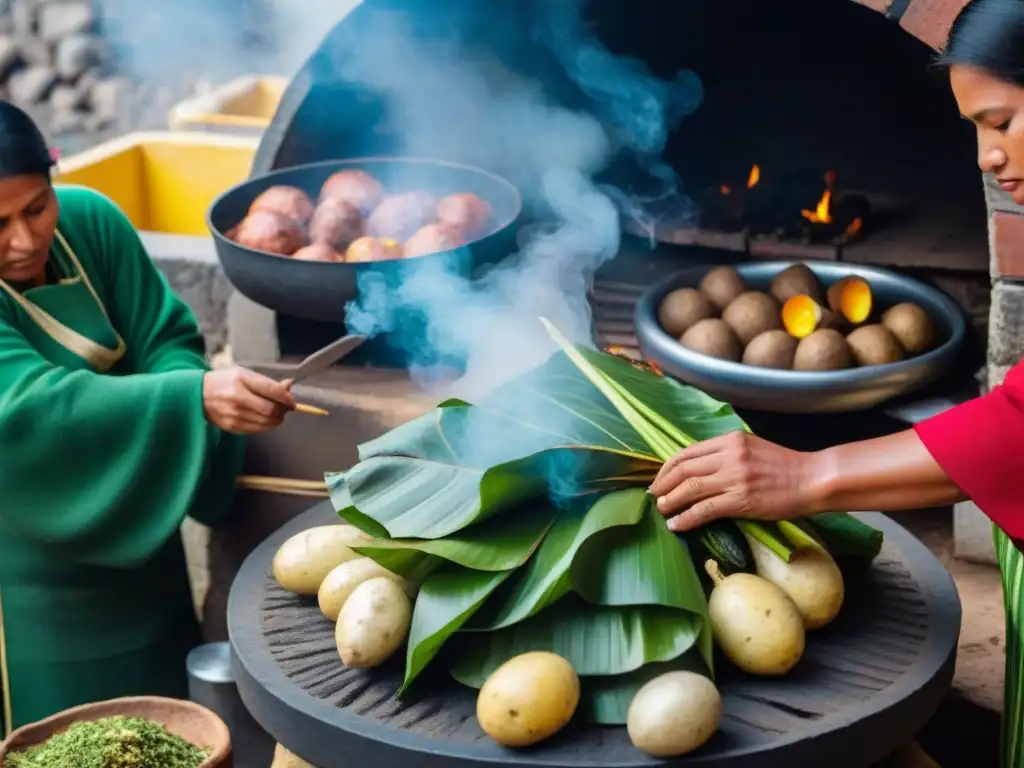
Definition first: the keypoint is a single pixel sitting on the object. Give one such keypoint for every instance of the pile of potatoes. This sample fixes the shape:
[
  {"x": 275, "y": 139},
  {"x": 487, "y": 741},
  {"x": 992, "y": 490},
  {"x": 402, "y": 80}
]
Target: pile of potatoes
[
  {"x": 799, "y": 324},
  {"x": 528, "y": 699},
  {"x": 370, "y": 605},
  {"x": 353, "y": 220}
]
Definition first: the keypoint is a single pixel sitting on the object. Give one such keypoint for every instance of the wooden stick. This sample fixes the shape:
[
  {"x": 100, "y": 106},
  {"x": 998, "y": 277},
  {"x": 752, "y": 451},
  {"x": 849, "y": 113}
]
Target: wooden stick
[
  {"x": 311, "y": 410},
  {"x": 285, "y": 485}
]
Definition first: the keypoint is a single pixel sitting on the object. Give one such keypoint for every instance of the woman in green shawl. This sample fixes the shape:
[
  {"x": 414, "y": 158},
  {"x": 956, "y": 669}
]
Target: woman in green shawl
[
  {"x": 972, "y": 451},
  {"x": 112, "y": 430}
]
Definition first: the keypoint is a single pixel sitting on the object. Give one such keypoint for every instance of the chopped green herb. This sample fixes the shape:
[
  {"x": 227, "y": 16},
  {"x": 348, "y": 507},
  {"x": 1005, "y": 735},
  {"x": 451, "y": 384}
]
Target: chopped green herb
[{"x": 113, "y": 742}]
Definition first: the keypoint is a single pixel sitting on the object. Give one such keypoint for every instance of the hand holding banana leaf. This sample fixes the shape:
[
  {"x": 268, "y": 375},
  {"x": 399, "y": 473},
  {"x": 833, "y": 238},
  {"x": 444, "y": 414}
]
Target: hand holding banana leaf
[{"x": 735, "y": 475}]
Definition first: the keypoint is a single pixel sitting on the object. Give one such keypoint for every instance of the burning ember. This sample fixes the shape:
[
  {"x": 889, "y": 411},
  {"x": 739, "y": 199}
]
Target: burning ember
[
  {"x": 794, "y": 207},
  {"x": 643, "y": 365},
  {"x": 820, "y": 214}
]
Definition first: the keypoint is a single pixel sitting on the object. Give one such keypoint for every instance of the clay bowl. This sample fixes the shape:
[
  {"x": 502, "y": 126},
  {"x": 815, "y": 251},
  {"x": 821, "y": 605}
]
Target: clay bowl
[{"x": 191, "y": 722}]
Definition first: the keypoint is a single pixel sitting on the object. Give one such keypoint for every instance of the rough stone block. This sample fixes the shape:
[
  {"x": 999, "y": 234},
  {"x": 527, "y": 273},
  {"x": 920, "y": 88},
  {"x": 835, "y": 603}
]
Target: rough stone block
[
  {"x": 1006, "y": 324},
  {"x": 24, "y": 14},
  {"x": 60, "y": 20},
  {"x": 972, "y": 534},
  {"x": 252, "y": 331},
  {"x": 995, "y": 375},
  {"x": 995, "y": 197},
  {"x": 191, "y": 267},
  {"x": 32, "y": 85},
  {"x": 10, "y": 55},
  {"x": 77, "y": 54}
]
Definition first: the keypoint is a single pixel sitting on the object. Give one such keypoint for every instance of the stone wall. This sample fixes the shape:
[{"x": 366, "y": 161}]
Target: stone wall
[{"x": 55, "y": 65}]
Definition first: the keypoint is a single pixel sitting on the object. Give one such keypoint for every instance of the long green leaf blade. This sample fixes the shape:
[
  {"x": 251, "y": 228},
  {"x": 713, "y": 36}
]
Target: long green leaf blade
[
  {"x": 446, "y": 600},
  {"x": 690, "y": 412},
  {"x": 549, "y": 433},
  {"x": 546, "y": 577},
  {"x": 596, "y": 640},
  {"x": 659, "y": 444},
  {"x": 645, "y": 564},
  {"x": 605, "y": 700},
  {"x": 495, "y": 545}
]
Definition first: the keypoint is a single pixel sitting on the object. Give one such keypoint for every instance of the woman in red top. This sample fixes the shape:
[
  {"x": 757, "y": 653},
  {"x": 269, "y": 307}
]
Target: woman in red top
[{"x": 973, "y": 451}]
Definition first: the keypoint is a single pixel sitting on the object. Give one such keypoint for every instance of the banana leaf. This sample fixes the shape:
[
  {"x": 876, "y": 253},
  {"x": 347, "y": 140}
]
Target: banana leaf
[
  {"x": 546, "y": 578},
  {"x": 694, "y": 413},
  {"x": 550, "y": 432},
  {"x": 499, "y": 544},
  {"x": 645, "y": 564},
  {"x": 596, "y": 640},
  {"x": 446, "y": 600},
  {"x": 606, "y": 699}
]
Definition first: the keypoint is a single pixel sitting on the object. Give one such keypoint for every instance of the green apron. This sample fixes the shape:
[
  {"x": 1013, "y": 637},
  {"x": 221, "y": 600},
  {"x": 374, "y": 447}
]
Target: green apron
[
  {"x": 67, "y": 322},
  {"x": 1011, "y": 564}
]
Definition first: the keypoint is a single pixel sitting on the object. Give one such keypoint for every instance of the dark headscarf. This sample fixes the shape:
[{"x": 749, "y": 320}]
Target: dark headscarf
[{"x": 23, "y": 150}]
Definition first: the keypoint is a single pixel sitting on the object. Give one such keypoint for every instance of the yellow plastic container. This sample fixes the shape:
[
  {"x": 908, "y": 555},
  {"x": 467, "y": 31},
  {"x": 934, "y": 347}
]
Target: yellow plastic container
[
  {"x": 163, "y": 181},
  {"x": 244, "y": 105}
]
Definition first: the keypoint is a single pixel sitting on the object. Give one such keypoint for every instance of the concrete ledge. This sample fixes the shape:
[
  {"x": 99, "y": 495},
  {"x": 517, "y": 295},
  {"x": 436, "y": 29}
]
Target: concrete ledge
[
  {"x": 191, "y": 267},
  {"x": 972, "y": 535}
]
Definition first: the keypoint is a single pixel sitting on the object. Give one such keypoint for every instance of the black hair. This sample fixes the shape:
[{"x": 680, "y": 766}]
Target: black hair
[
  {"x": 989, "y": 35},
  {"x": 23, "y": 150}
]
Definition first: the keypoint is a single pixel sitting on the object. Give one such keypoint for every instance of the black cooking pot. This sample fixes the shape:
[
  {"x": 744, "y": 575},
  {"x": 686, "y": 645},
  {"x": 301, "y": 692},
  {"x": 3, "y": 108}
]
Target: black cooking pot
[{"x": 320, "y": 290}]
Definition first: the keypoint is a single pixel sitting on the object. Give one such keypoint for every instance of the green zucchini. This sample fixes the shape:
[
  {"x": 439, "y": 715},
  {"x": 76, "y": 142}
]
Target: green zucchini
[{"x": 725, "y": 543}]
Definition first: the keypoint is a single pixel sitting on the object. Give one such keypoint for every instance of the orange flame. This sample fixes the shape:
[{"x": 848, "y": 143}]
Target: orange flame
[
  {"x": 855, "y": 227},
  {"x": 754, "y": 177},
  {"x": 725, "y": 189},
  {"x": 822, "y": 214}
]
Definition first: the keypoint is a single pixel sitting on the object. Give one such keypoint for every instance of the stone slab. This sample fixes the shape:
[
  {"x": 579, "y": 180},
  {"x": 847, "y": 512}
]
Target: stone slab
[
  {"x": 191, "y": 267},
  {"x": 972, "y": 535},
  {"x": 1006, "y": 324}
]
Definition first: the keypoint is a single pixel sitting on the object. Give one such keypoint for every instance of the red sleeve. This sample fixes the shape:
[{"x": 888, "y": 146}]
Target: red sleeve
[{"x": 980, "y": 446}]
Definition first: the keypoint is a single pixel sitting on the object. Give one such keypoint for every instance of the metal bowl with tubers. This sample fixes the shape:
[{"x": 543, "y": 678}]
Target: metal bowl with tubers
[{"x": 800, "y": 337}]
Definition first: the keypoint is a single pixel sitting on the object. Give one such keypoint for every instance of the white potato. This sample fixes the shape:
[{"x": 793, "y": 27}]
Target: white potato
[
  {"x": 339, "y": 584},
  {"x": 756, "y": 624},
  {"x": 373, "y": 624},
  {"x": 811, "y": 579},
  {"x": 674, "y": 714},
  {"x": 304, "y": 560}
]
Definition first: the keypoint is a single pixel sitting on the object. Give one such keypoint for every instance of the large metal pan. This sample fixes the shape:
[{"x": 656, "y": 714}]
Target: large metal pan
[
  {"x": 763, "y": 389},
  {"x": 319, "y": 291}
]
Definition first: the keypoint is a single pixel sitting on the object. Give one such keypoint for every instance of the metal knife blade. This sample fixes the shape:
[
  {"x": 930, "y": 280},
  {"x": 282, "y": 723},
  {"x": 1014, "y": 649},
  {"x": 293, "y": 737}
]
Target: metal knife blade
[{"x": 323, "y": 359}]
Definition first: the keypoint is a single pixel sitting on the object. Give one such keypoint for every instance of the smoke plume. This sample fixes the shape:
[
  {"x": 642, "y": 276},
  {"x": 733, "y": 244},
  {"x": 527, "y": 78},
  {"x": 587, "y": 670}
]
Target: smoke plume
[{"x": 446, "y": 99}]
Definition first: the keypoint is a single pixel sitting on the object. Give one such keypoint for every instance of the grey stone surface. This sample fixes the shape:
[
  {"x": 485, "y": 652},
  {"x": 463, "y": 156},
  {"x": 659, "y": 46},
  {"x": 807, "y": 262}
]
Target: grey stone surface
[
  {"x": 996, "y": 374},
  {"x": 972, "y": 535},
  {"x": 63, "y": 19},
  {"x": 32, "y": 84},
  {"x": 252, "y": 331},
  {"x": 995, "y": 197},
  {"x": 1006, "y": 324},
  {"x": 75, "y": 55},
  {"x": 10, "y": 55},
  {"x": 66, "y": 98},
  {"x": 24, "y": 14},
  {"x": 191, "y": 267}
]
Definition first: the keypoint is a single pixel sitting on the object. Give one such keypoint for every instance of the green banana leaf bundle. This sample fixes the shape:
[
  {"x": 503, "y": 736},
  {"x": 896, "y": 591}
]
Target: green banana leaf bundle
[{"x": 525, "y": 520}]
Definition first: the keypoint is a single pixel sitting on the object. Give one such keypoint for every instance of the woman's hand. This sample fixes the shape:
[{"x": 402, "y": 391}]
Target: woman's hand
[
  {"x": 244, "y": 402},
  {"x": 735, "y": 475}
]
